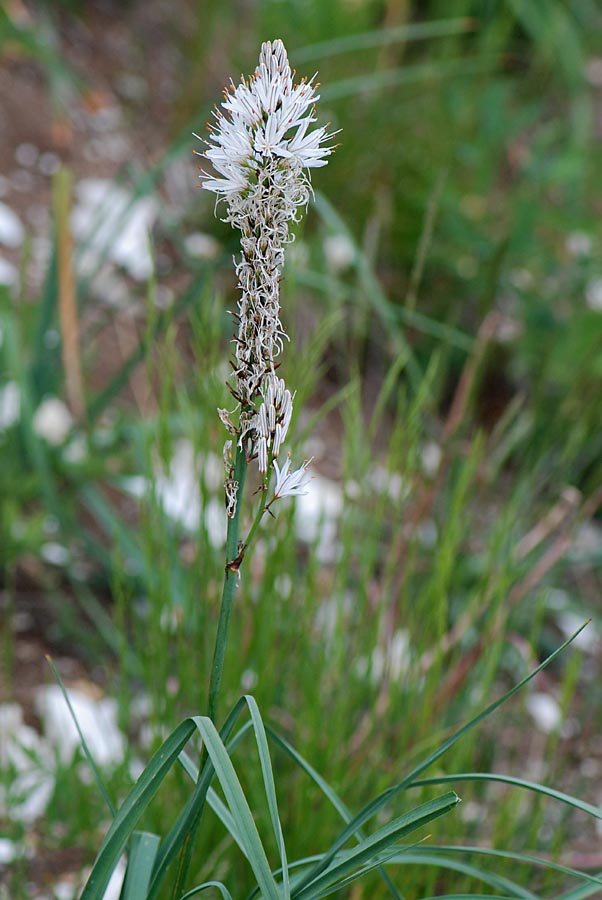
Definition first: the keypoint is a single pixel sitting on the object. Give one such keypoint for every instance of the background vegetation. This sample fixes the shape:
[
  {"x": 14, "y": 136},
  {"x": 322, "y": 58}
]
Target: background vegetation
[{"x": 443, "y": 299}]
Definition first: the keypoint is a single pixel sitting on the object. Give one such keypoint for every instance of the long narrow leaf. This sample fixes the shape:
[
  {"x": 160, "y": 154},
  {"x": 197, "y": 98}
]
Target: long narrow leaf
[
  {"x": 270, "y": 787},
  {"x": 414, "y": 74},
  {"x": 582, "y": 892},
  {"x": 428, "y": 858},
  {"x": 332, "y": 796},
  {"x": 369, "y": 848},
  {"x": 525, "y": 858},
  {"x": 132, "y": 809},
  {"x": 374, "y": 863},
  {"x": 140, "y": 865},
  {"x": 454, "y": 738},
  {"x": 185, "y": 825},
  {"x": 214, "y": 802},
  {"x": 205, "y": 887},
  {"x": 413, "y": 31},
  {"x": 91, "y": 762},
  {"x": 516, "y": 782},
  {"x": 239, "y": 807},
  {"x": 163, "y": 320}
]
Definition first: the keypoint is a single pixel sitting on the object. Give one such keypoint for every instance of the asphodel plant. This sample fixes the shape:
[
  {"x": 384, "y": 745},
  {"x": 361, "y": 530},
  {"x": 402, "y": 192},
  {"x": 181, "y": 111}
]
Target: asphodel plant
[{"x": 262, "y": 146}]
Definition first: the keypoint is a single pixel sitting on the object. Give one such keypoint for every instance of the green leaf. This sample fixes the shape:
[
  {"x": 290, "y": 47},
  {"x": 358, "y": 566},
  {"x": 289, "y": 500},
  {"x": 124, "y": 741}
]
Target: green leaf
[
  {"x": 95, "y": 770},
  {"x": 330, "y": 795},
  {"x": 141, "y": 859},
  {"x": 185, "y": 825},
  {"x": 440, "y": 860},
  {"x": 132, "y": 809},
  {"x": 413, "y": 74},
  {"x": 516, "y": 782},
  {"x": 204, "y": 887},
  {"x": 525, "y": 858},
  {"x": 239, "y": 808},
  {"x": 333, "y": 870},
  {"x": 163, "y": 320},
  {"x": 413, "y": 31},
  {"x": 270, "y": 787},
  {"x": 582, "y": 892}
]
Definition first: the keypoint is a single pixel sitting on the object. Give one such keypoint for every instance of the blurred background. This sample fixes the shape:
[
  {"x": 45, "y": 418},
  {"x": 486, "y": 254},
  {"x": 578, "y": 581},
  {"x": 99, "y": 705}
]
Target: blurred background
[{"x": 444, "y": 301}]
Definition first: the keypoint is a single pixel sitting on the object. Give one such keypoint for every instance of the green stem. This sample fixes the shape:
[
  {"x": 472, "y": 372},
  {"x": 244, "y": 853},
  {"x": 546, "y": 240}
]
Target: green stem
[
  {"x": 260, "y": 511},
  {"x": 233, "y": 561}
]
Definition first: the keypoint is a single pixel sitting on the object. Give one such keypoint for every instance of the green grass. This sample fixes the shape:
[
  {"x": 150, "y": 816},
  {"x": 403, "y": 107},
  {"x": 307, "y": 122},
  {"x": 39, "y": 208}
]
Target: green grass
[{"x": 466, "y": 160}]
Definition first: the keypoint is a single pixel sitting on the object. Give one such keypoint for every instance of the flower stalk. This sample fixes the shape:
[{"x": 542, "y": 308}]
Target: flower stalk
[
  {"x": 261, "y": 147},
  {"x": 233, "y": 561}
]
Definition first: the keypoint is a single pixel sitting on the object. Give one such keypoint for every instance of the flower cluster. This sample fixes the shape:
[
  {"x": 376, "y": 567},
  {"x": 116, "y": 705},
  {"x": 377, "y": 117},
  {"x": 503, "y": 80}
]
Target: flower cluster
[
  {"x": 273, "y": 419},
  {"x": 261, "y": 148}
]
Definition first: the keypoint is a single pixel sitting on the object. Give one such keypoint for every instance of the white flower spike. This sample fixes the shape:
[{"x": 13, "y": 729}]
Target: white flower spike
[{"x": 262, "y": 148}]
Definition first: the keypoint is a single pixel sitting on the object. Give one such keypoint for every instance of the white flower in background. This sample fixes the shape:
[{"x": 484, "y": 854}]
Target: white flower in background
[
  {"x": 291, "y": 484},
  {"x": 339, "y": 252},
  {"x": 578, "y": 243},
  {"x": 52, "y": 421},
  {"x": 10, "y": 405},
  {"x": 9, "y": 274},
  {"x": 12, "y": 232},
  {"x": 201, "y": 246},
  {"x": 114, "y": 223},
  {"x": 593, "y": 294},
  {"x": 262, "y": 147},
  {"x": 317, "y": 517},
  {"x": 97, "y": 719},
  {"x": 545, "y": 711}
]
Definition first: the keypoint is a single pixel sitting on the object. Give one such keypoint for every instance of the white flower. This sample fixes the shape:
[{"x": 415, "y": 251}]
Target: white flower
[
  {"x": 52, "y": 421},
  {"x": 10, "y": 405},
  {"x": 291, "y": 484},
  {"x": 269, "y": 117},
  {"x": 593, "y": 294}
]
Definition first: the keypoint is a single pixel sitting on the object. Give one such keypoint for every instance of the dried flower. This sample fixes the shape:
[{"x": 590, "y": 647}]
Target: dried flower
[{"x": 230, "y": 484}]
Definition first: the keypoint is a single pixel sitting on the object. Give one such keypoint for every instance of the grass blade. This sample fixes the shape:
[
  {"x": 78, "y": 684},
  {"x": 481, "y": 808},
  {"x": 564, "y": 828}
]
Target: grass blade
[
  {"x": 95, "y": 770},
  {"x": 239, "y": 808},
  {"x": 204, "y": 887},
  {"x": 454, "y": 738},
  {"x": 525, "y": 858},
  {"x": 372, "y": 287},
  {"x": 270, "y": 787},
  {"x": 414, "y": 31},
  {"x": 132, "y": 809},
  {"x": 184, "y": 828},
  {"x": 387, "y": 78},
  {"x": 517, "y": 782},
  {"x": 582, "y": 892},
  {"x": 140, "y": 865},
  {"x": 163, "y": 320},
  {"x": 375, "y": 805},
  {"x": 429, "y": 858},
  {"x": 333, "y": 870},
  {"x": 330, "y": 795}
]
